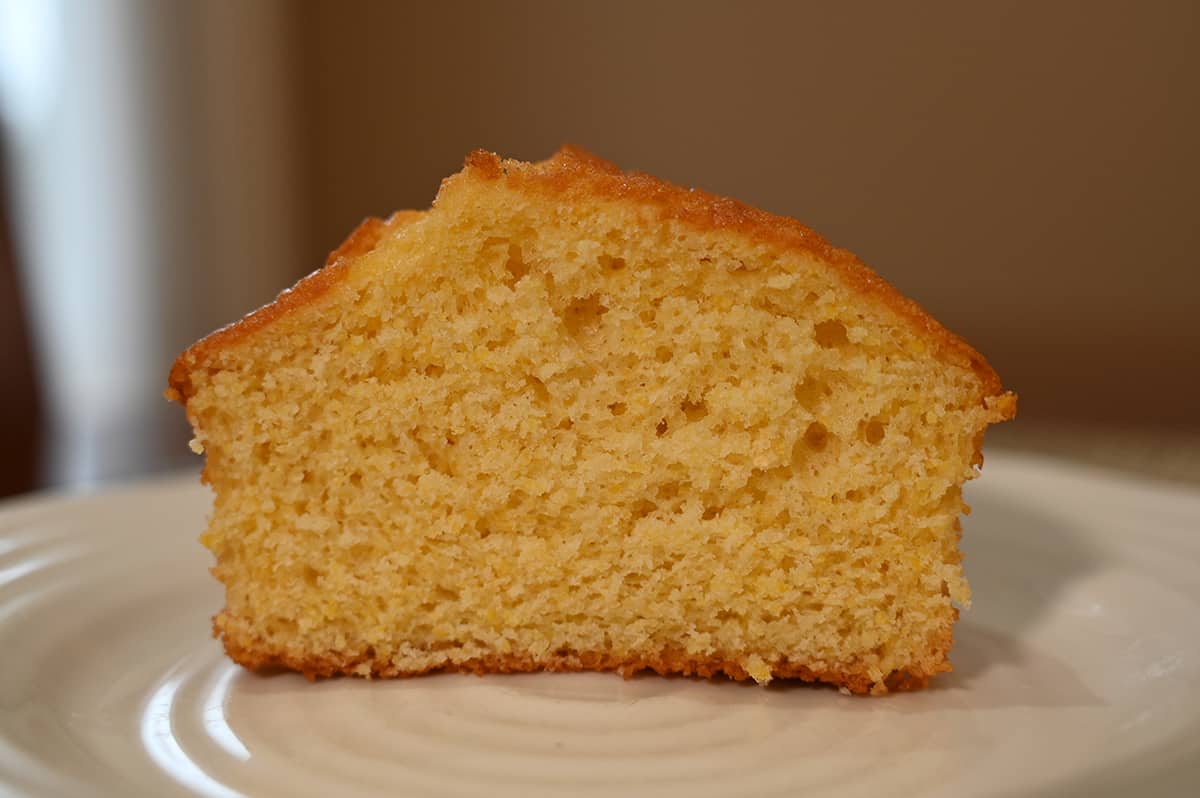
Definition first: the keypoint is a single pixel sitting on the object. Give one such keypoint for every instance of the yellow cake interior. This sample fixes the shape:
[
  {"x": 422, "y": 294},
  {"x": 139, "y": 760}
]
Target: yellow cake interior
[{"x": 540, "y": 433}]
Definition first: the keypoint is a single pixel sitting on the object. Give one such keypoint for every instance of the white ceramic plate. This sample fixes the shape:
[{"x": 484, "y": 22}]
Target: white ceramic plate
[{"x": 1077, "y": 672}]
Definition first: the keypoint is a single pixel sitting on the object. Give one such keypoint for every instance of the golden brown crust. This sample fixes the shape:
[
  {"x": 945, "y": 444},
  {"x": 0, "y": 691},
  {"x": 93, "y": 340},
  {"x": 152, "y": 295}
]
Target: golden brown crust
[
  {"x": 253, "y": 654},
  {"x": 360, "y": 241},
  {"x": 574, "y": 173}
]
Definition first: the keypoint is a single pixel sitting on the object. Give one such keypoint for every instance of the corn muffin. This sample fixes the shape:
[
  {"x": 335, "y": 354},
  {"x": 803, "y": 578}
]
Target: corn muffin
[{"x": 574, "y": 418}]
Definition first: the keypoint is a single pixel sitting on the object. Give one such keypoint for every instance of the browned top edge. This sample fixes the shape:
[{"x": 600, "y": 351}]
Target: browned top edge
[
  {"x": 574, "y": 173},
  {"x": 361, "y": 241}
]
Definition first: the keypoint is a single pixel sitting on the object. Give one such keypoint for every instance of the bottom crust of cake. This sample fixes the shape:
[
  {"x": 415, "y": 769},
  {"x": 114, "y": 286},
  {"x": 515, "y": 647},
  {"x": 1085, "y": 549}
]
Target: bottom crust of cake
[{"x": 251, "y": 652}]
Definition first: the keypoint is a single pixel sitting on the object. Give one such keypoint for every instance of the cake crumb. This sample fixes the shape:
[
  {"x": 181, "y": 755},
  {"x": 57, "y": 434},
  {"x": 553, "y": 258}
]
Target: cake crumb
[
  {"x": 576, "y": 419},
  {"x": 758, "y": 669}
]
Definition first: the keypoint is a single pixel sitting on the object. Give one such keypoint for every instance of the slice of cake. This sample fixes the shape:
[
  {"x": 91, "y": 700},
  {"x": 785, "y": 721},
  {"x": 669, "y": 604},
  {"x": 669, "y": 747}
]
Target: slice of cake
[{"x": 574, "y": 418}]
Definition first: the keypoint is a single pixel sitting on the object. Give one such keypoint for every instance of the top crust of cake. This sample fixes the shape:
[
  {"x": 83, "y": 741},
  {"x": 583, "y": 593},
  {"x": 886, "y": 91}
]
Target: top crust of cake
[
  {"x": 360, "y": 241},
  {"x": 577, "y": 176}
]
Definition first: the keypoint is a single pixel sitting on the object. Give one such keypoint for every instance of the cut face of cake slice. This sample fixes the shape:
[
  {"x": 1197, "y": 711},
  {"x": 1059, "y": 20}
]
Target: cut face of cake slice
[{"x": 574, "y": 418}]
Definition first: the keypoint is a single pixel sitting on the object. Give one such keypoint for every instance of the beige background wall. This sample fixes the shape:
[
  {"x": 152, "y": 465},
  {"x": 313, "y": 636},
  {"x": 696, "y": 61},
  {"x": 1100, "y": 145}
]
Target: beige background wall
[{"x": 1028, "y": 171}]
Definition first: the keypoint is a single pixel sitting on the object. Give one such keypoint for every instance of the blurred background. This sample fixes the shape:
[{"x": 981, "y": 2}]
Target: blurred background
[{"x": 1028, "y": 172}]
